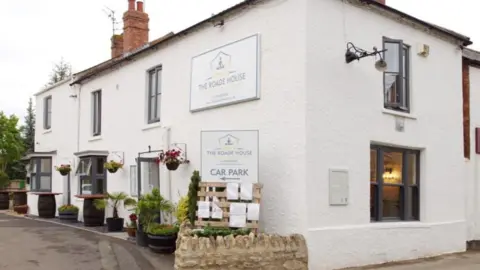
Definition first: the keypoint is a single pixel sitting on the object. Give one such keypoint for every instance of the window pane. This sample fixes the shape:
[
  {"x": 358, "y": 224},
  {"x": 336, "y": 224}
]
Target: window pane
[
  {"x": 392, "y": 172},
  {"x": 45, "y": 165},
  {"x": 86, "y": 186},
  {"x": 405, "y": 60},
  {"x": 373, "y": 201},
  {"x": 99, "y": 186},
  {"x": 133, "y": 181},
  {"x": 33, "y": 165},
  {"x": 392, "y": 93},
  {"x": 158, "y": 99},
  {"x": 45, "y": 182},
  {"x": 413, "y": 198},
  {"x": 403, "y": 100},
  {"x": 33, "y": 181},
  {"x": 391, "y": 201},
  {"x": 392, "y": 56},
  {"x": 412, "y": 169},
  {"x": 152, "y": 84},
  {"x": 373, "y": 165},
  {"x": 154, "y": 175},
  {"x": 158, "y": 81},
  {"x": 152, "y": 108},
  {"x": 100, "y": 162}
]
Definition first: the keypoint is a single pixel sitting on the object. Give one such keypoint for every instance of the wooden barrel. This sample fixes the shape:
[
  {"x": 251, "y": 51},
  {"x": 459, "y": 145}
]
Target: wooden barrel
[
  {"x": 46, "y": 206},
  {"x": 19, "y": 198},
  {"x": 92, "y": 217},
  {"x": 4, "y": 200}
]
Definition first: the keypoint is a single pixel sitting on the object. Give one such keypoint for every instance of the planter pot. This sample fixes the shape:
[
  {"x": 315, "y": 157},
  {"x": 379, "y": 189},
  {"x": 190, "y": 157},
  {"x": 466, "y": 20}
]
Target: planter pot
[
  {"x": 172, "y": 166},
  {"x": 132, "y": 232},
  {"x": 165, "y": 244},
  {"x": 68, "y": 216},
  {"x": 115, "y": 224},
  {"x": 19, "y": 198},
  {"x": 113, "y": 170},
  {"x": 21, "y": 209},
  {"x": 92, "y": 217},
  {"x": 4, "y": 200},
  {"x": 64, "y": 172},
  {"x": 142, "y": 237}
]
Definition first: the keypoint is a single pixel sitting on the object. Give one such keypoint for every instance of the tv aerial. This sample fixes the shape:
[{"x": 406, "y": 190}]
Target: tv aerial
[{"x": 111, "y": 15}]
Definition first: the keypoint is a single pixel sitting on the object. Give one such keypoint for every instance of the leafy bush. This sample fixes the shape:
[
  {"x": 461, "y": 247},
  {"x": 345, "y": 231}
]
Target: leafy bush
[
  {"x": 4, "y": 180},
  {"x": 115, "y": 199},
  {"x": 150, "y": 205},
  {"x": 182, "y": 209},
  {"x": 162, "y": 229},
  {"x": 68, "y": 208},
  {"x": 214, "y": 232}
]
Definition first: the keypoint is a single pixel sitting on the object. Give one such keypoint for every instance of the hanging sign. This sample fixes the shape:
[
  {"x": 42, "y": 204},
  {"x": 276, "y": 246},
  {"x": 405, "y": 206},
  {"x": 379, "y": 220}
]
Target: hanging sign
[{"x": 230, "y": 156}]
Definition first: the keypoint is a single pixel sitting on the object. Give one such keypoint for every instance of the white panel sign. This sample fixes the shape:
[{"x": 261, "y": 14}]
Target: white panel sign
[
  {"x": 230, "y": 156},
  {"x": 339, "y": 187},
  {"x": 226, "y": 75}
]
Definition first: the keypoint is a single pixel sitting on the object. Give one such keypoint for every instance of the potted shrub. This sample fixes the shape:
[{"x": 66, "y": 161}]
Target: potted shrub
[
  {"x": 172, "y": 159},
  {"x": 63, "y": 169},
  {"x": 162, "y": 238},
  {"x": 114, "y": 223},
  {"x": 132, "y": 226},
  {"x": 112, "y": 166},
  {"x": 68, "y": 212}
]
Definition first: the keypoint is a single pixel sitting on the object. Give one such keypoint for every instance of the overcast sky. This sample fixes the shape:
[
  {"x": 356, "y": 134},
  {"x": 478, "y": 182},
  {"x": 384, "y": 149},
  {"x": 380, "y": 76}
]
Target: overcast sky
[{"x": 36, "y": 33}]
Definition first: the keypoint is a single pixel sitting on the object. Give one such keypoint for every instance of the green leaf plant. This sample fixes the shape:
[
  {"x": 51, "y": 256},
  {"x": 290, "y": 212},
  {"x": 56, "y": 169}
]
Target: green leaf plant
[{"x": 115, "y": 200}]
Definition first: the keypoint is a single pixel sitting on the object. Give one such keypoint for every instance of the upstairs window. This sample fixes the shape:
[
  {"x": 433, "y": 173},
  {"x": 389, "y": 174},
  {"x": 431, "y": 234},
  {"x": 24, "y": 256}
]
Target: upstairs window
[
  {"x": 396, "y": 77},
  {"x": 154, "y": 94},
  {"x": 97, "y": 113},
  {"x": 47, "y": 113}
]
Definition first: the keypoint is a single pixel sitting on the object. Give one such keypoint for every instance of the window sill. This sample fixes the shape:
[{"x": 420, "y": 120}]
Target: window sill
[
  {"x": 96, "y": 138},
  {"x": 152, "y": 126},
  {"x": 47, "y": 131},
  {"x": 401, "y": 114}
]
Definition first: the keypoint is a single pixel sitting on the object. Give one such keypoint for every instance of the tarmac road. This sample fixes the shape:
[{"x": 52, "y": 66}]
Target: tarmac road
[{"x": 27, "y": 244}]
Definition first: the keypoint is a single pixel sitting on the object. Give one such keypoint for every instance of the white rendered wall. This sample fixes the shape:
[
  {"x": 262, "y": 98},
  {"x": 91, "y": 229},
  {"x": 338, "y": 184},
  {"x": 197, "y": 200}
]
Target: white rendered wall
[{"x": 345, "y": 115}]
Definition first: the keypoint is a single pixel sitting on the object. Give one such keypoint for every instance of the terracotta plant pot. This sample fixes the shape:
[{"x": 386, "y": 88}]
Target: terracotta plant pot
[
  {"x": 172, "y": 166},
  {"x": 21, "y": 209},
  {"x": 132, "y": 232}
]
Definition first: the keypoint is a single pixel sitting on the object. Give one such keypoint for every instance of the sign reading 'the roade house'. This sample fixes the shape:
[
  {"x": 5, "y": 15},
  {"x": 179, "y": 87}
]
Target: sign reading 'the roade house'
[{"x": 230, "y": 156}]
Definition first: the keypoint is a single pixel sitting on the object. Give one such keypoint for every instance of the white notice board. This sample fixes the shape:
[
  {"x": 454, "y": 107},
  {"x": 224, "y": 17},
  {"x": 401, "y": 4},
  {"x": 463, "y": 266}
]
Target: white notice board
[{"x": 338, "y": 187}]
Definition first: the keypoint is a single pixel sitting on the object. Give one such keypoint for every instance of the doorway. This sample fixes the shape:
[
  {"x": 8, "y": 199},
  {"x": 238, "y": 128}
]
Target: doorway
[{"x": 148, "y": 173}]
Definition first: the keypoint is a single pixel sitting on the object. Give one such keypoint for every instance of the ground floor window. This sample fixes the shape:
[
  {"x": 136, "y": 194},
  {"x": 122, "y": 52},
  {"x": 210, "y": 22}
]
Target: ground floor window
[
  {"x": 394, "y": 183},
  {"x": 92, "y": 175},
  {"x": 41, "y": 174}
]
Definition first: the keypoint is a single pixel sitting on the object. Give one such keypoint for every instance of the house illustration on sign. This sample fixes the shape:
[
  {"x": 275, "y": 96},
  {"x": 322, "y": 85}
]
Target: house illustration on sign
[
  {"x": 220, "y": 65},
  {"x": 228, "y": 142}
]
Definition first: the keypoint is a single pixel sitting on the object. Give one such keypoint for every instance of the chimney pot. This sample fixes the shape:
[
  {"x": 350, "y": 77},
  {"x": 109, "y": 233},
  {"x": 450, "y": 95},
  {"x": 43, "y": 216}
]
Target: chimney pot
[
  {"x": 140, "y": 6},
  {"x": 131, "y": 4}
]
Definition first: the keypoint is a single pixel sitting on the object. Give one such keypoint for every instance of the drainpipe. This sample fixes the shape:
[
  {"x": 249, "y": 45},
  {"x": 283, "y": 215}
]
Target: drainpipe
[
  {"x": 169, "y": 173},
  {"x": 78, "y": 116}
]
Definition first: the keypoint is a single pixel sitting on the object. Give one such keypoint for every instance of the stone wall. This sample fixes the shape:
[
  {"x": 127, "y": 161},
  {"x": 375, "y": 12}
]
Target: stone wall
[{"x": 265, "y": 252}]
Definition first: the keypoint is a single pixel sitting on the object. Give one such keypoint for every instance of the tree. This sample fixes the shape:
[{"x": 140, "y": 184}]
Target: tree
[
  {"x": 61, "y": 71},
  {"x": 11, "y": 141},
  {"x": 28, "y": 129}
]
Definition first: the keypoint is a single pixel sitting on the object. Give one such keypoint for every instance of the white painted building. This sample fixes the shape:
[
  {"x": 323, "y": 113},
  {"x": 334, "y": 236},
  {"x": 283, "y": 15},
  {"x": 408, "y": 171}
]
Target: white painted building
[{"x": 322, "y": 123}]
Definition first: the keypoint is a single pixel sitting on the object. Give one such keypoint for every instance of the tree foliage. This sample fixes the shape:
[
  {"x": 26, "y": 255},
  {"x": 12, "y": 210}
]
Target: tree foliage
[
  {"x": 60, "y": 71},
  {"x": 29, "y": 128},
  {"x": 192, "y": 196},
  {"x": 11, "y": 141}
]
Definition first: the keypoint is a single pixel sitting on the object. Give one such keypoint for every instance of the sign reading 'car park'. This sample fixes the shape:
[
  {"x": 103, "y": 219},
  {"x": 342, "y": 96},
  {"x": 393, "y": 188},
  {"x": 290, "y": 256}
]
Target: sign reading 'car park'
[{"x": 230, "y": 156}]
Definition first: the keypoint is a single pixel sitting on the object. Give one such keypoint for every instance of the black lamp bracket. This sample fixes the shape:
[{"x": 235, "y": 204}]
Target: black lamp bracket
[{"x": 356, "y": 53}]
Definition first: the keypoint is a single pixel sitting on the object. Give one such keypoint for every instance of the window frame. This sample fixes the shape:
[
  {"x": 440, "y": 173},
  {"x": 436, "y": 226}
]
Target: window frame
[
  {"x": 404, "y": 50},
  {"x": 47, "y": 113},
  {"x": 405, "y": 187},
  {"x": 154, "y": 93},
  {"x": 92, "y": 174},
  {"x": 97, "y": 113},
  {"x": 36, "y": 174}
]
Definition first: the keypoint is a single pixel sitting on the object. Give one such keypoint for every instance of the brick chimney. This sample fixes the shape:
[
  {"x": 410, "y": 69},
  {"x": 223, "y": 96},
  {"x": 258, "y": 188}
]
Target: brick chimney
[
  {"x": 117, "y": 45},
  {"x": 135, "y": 26},
  {"x": 381, "y": 1}
]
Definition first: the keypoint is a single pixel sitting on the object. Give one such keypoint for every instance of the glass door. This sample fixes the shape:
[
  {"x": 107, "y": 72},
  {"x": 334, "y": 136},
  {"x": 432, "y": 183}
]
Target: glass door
[{"x": 148, "y": 173}]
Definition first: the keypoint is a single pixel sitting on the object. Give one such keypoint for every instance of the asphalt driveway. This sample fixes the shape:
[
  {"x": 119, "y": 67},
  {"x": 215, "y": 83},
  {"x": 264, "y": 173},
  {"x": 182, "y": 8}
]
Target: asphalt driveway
[{"x": 27, "y": 244}]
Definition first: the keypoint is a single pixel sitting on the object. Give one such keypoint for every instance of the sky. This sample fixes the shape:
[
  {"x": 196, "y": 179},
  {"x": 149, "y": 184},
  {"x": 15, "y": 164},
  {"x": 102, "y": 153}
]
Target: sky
[{"x": 34, "y": 34}]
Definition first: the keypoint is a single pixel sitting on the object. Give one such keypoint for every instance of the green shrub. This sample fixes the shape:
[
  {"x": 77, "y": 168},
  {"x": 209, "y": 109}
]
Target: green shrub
[
  {"x": 68, "y": 208},
  {"x": 182, "y": 209},
  {"x": 162, "y": 229},
  {"x": 214, "y": 232},
  {"x": 192, "y": 196}
]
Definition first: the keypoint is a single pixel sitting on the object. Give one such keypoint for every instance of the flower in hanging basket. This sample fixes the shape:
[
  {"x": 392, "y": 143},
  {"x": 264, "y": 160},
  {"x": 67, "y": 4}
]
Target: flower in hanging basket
[
  {"x": 63, "y": 169},
  {"x": 172, "y": 159},
  {"x": 113, "y": 166}
]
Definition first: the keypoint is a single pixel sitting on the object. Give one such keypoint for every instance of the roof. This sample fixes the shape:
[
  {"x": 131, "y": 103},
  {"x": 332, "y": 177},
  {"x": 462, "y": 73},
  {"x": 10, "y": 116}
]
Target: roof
[
  {"x": 95, "y": 70},
  {"x": 472, "y": 56}
]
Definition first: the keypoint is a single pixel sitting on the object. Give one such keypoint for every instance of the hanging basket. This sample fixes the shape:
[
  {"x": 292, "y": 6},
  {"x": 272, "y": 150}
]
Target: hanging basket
[
  {"x": 172, "y": 166},
  {"x": 64, "y": 172},
  {"x": 112, "y": 170}
]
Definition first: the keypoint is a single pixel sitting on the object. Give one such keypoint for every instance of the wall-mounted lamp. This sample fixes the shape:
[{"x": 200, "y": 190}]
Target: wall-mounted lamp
[{"x": 354, "y": 53}]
